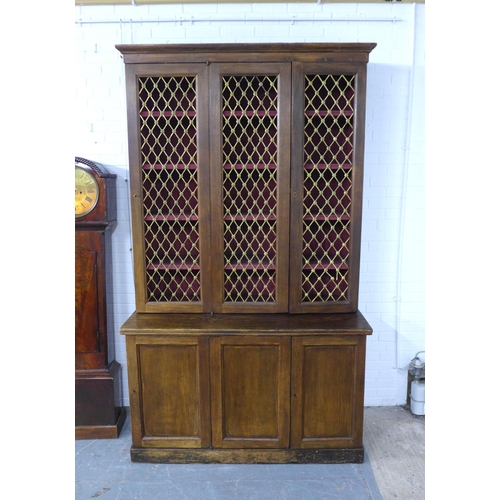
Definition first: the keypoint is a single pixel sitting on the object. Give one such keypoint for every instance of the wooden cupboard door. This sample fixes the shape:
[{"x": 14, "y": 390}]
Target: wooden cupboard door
[
  {"x": 169, "y": 391},
  {"x": 250, "y": 392},
  {"x": 327, "y": 391},
  {"x": 328, "y": 117},
  {"x": 169, "y": 182},
  {"x": 250, "y": 182}
]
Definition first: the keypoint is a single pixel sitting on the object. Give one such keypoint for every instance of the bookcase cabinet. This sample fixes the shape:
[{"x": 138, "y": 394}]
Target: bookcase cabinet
[
  {"x": 246, "y": 174},
  {"x": 246, "y": 388}
]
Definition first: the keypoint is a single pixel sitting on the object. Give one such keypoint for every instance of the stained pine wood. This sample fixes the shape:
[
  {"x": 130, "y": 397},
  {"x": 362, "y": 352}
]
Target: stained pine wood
[
  {"x": 257, "y": 382},
  {"x": 243, "y": 371},
  {"x": 282, "y": 71},
  {"x": 250, "y": 391},
  {"x": 138, "y": 194},
  {"x": 168, "y": 380},
  {"x": 249, "y": 456},
  {"x": 249, "y": 52},
  {"x": 247, "y": 324},
  {"x": 327, "y": 388},
  {"x": 297, "y": 305},
  {"x": 208, "y": 63}
]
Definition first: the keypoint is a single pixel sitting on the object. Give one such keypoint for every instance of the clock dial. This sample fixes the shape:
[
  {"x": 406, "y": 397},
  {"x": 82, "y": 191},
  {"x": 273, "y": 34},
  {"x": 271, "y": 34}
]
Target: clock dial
[{"x": 86, "y": 192}]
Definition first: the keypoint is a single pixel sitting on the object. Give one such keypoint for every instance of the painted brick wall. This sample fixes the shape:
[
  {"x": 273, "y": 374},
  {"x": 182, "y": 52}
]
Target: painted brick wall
[{"x": 392, "y": 256}]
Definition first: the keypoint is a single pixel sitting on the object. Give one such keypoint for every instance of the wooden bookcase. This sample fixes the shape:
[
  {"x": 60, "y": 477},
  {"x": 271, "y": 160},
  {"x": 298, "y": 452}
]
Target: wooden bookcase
[{"x": 246, "y": 169}]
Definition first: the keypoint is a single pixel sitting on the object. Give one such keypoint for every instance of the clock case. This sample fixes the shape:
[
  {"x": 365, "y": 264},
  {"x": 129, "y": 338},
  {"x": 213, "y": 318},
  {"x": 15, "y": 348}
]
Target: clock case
[{"x": 97, "y": 373}]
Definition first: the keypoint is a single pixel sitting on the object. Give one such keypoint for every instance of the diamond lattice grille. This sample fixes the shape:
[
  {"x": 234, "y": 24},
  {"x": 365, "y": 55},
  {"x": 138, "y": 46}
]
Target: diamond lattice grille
[
  {"x": 169, "y": 155},
  {"x": 328, "y": 158},
  {"x": 249, "y": 145}
]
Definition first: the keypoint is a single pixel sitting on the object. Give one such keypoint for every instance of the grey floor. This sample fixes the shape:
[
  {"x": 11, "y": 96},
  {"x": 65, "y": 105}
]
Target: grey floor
[{"x": 393, "y": 468}]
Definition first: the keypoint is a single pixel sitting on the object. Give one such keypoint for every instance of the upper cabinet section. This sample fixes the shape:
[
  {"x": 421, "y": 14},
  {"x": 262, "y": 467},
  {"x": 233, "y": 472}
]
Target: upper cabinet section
[{"x": 246, "y": 167}]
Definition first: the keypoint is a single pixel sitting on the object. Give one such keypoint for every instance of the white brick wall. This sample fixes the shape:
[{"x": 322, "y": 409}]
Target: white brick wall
[{"x": 392, "y": 256}]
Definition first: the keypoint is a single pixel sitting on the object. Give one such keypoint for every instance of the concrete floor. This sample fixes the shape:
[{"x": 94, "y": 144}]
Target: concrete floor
[
  {"x": 393, "y": 469},
  {"x": 394, "y": 440}
]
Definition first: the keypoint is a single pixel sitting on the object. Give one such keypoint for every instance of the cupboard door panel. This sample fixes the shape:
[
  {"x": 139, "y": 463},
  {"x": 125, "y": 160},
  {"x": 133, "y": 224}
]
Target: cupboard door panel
[
  {"x": 172, "y": 393},
  {"x": 327, "y": 392},
  {"x": 250, "y": 168},
  {"x": 327, "y": 176},
  {"x": 169, "y": 165},
  {"x": 250, "y": 392}
]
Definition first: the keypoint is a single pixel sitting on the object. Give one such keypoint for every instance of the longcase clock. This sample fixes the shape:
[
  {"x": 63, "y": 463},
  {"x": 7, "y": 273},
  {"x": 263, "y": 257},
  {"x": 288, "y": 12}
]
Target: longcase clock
[{"x": 97, "y": 374}]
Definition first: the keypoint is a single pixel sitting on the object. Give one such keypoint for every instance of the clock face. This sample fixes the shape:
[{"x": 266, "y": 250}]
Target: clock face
[{"x": 86, "y": 192}]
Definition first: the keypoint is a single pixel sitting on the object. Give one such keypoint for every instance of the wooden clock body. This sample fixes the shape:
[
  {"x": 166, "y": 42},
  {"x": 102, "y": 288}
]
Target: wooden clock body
[{"x": 97, "y": 374}]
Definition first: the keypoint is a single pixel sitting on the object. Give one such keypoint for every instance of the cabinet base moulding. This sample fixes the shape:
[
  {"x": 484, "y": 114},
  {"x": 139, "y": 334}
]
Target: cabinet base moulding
[{"x": 316, "y": 456}]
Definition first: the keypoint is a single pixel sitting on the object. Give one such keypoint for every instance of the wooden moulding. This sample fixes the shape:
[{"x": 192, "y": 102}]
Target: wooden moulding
[
  {"x": 252, "y": 52},
  {"x": 248, "y": 324},
  {"x": 333, "y": 456}
]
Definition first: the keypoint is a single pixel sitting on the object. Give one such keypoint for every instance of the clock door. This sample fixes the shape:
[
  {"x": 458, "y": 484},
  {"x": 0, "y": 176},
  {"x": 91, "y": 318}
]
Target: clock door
[
  {"x": 86, "y": 303},
  {"x": 90, "y": 320}
]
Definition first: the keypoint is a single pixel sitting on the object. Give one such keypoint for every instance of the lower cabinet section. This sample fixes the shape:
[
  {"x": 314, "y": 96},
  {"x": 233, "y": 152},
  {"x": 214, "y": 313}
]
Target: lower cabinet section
[
  {"x": 211, "y": 396},
  {"x": 250, "y": 379}
]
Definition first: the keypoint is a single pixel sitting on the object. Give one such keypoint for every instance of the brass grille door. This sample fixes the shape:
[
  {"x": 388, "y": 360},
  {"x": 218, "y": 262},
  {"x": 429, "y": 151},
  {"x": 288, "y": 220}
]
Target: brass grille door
[
  {"x": 326, "y": 184},
  {"x": 250, "y": 120},
  {"x": 169, "y": 187}
]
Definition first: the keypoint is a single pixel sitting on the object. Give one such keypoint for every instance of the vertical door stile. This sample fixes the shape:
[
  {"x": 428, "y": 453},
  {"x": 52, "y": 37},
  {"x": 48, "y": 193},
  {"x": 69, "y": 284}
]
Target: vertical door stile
[
  {"x": 217, "y": 248},
  {"x": 296, "y": 182},
  {"x": 283, "y": 214},
  {"x": 131, "y": 72},
  {"x": 202, "y": 127},
  {"x": 357, "y": 177}
]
